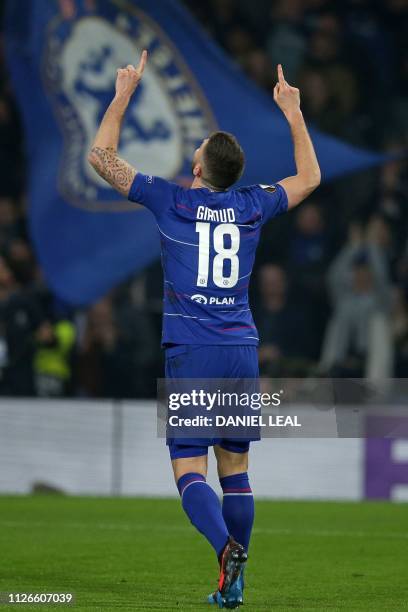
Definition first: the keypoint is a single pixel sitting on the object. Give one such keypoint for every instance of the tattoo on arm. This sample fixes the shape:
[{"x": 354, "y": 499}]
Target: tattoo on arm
[{"x": 116, "y": 171}]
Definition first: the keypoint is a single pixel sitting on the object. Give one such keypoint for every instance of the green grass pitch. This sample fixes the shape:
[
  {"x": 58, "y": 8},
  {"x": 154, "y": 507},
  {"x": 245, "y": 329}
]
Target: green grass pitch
[{"x": 142, "y": 554}]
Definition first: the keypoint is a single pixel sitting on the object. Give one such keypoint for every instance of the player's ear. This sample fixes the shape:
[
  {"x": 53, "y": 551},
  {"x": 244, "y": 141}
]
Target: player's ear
[{"x": 197, "y": 170}]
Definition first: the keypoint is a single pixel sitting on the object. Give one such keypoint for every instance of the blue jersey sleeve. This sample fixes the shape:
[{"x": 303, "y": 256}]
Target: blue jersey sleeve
[
  {"x": 153, "y": 192},
  {"x": 273, "y": 200}
]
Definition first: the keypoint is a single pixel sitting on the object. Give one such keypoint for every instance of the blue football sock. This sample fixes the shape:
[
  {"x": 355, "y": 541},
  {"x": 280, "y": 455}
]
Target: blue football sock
[
  {"x": 238, "y": 507},
  {"x": 203, "y": 508}
]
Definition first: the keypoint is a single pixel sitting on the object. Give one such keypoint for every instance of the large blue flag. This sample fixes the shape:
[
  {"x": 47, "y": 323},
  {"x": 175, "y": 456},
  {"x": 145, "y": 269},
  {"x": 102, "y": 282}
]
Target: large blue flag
[{"x": 63, "y": 59}]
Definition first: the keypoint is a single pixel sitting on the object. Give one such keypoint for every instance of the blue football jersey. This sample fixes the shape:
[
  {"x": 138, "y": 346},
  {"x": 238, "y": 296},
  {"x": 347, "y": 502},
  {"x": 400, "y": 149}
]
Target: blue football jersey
[{"x": 208, "y": 243}]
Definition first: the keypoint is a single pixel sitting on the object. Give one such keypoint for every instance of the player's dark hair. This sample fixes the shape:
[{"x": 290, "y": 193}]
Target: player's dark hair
[{"x": 224, "y": 160}]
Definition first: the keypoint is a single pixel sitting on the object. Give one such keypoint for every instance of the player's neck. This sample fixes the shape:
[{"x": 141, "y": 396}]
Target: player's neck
[{"x": 199, "y": 183}]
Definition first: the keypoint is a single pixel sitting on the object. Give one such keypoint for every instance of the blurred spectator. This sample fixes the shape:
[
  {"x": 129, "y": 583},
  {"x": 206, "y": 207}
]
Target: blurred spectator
[
  {"x": 228, "y": 27},
  {"x": 328, "y": 85},
  {"x": 402, "y": 271},
  {"x": 316, "y": 97},
  {"x": 52, "y": 358},
  {"x": 136, "y": 321},
  {"x": 255, "y": 16},
  {"x": 259, "y": 68},
  {"x": 117, "y": 352},
  {"x": 11, "y": 167},
  {"x": 286, "y": 42},
  {"x": 9, "y": 228},
  {"x": 105, "y": 363},
  {"x": 308, "y": 255},
  {"x": 239, "y": 43},
  {"x": 400, "y": 333},
  {"x": 21, "y": 260},
  {"x": 393, "y": 197},
  {"x": 21, "y": 316},
  {"x": 358, "y": 340},
  {"x": 282, "y": 325},
  {"x": 309, "y": 240}
]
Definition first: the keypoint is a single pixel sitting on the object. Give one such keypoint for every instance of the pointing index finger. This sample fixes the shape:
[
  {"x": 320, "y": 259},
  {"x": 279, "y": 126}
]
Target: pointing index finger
[
  {"x": 280, "y": 74},
  {"x": 142, "y": 62}
]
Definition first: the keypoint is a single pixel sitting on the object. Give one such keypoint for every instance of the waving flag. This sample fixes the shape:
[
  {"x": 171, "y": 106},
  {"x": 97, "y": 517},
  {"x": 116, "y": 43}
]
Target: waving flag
[{"x": 62, "y": 59}]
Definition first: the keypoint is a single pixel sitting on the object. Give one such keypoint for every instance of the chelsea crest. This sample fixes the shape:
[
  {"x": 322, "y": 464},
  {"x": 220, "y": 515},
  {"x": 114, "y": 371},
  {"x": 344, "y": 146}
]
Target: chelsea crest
[{"x": 167, "y": 119}]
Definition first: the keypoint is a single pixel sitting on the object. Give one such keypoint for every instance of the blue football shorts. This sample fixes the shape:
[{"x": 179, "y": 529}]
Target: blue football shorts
[{"x": 209, "y": 361}]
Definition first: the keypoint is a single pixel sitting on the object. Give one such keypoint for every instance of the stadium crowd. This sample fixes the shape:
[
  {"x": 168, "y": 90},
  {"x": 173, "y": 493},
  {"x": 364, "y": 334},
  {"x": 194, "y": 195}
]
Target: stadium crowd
[{"x": 330, "y": 289}]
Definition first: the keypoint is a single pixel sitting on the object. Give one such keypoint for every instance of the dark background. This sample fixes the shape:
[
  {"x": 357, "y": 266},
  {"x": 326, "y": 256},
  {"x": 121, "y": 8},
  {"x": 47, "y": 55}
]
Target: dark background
[{"x": 330, "y": 287}]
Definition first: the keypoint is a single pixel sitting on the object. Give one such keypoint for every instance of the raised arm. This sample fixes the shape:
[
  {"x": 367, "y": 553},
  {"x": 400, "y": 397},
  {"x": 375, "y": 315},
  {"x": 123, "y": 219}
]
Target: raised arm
[
  {"x": 308, "y": 176},
  {"x": 103, "y": 155}
]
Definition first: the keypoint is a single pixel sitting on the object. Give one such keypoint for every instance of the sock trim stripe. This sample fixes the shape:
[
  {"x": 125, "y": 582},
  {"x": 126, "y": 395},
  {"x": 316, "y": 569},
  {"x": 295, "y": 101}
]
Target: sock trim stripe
[
  {"x": 246, "y": 490},
  {"x": 238, "y": 493},
  {"x": 189, "y": 485},
  {"x": 186, "y": 479}
]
